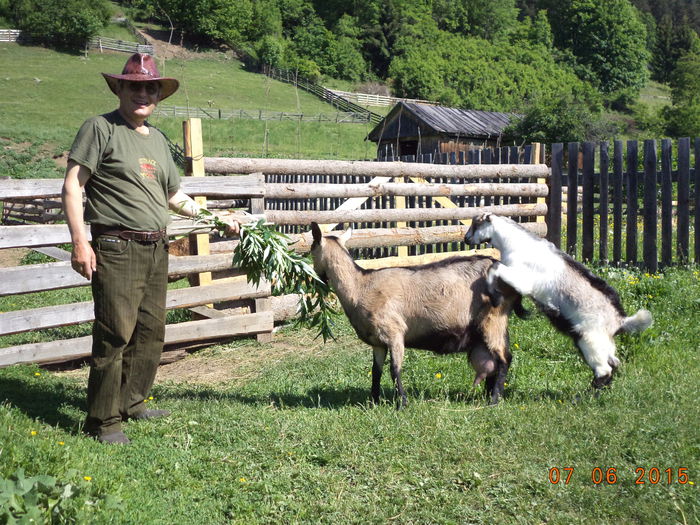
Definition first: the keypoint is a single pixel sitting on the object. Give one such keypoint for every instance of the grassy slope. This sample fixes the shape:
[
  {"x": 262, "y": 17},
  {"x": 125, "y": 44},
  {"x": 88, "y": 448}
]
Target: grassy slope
[
  {"x": 295, "y": 441},
  {"x": 47, "y": 95}
]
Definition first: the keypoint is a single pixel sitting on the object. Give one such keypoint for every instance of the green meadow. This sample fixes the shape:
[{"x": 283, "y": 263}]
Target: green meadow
[
  {"x": 284, "y": 432},
  {"x": 47, "y": 95}
]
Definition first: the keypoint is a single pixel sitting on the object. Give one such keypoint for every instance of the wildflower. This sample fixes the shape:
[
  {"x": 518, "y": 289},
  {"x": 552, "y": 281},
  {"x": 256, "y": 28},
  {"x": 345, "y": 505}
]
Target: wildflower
[
  {"x": 37, "y": 374},
  {"x": 33, "y": 432},
  {"x": 242, "y": 480},
  {"x": 369, "y": 373},
  {"x": 87, "y": 478},
  {"x": 516, "y": 346},
  {"x": 61, "y": 443},
  {"x": 438, "y": 376},
  {"x": 150, "y": 398}
]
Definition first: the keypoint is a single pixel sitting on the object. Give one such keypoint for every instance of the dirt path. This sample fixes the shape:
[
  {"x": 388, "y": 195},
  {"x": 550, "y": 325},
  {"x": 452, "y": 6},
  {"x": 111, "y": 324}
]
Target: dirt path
[
  {"x": 166, "y": 48},
  {"x": 12, "y": 256}
]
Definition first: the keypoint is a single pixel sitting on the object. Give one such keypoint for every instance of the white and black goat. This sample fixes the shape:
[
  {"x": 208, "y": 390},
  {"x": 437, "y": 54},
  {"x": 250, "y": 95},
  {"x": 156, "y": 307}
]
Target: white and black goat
[
  {"x": 442, "y": 307},
  {"x": 576, "y": 301}
]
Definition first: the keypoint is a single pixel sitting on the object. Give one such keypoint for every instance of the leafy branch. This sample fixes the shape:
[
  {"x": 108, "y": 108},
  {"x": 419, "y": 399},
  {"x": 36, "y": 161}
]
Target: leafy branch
[{"x": 263, "y": 253}]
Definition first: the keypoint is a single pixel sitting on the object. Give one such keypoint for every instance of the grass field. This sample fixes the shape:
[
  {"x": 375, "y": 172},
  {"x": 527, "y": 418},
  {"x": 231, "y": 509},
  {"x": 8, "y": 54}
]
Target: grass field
[
  {"x": 47, "y": 95},
  {"x": 284, "y": 433}
]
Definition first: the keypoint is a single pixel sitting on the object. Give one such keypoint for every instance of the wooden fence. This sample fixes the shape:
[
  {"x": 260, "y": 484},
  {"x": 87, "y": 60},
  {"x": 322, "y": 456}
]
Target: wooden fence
[
  {"x": 403, "y": 213},
  {"x": 291, "y": 77},
  {"x": 10, "y": 35},
  {"x": 653, "y": 185},
  {"x": 112, "y": 44},
  {"x": 259, "y": 114},
  {"x": 368, "y": 99},
  {"x": 240, "y": 308}
]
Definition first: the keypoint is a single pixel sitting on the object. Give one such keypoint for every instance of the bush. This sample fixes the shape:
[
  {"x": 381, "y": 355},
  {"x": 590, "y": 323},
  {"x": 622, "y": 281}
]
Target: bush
[
  {"x": 66, "y": 24},
  {"x": 270, "y": 51},
  {"x": 559, "y": 119}
]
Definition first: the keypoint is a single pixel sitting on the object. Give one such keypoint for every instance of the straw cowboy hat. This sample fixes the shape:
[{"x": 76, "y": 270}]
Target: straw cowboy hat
[{"x": 142, "y": 68}]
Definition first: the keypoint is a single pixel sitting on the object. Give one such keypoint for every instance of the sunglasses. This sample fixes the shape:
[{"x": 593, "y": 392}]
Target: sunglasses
[{"x": 152, "y": 88}]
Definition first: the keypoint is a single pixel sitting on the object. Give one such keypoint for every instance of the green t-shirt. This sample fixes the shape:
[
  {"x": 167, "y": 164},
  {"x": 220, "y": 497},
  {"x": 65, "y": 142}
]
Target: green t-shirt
[{"x": 132, "y": 174}]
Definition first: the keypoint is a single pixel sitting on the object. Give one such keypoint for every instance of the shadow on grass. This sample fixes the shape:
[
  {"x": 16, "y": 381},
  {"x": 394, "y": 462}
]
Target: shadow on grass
[
  {"x": 44, "y": 401},
  {"x": 325, "y": 398}
]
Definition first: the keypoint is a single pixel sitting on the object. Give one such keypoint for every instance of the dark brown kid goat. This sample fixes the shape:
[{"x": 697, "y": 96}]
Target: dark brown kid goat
[{"x": 442, "y": 307}]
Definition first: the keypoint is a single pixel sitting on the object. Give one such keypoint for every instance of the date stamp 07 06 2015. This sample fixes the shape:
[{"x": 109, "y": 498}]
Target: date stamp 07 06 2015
[{"x": 609, "y": 475}]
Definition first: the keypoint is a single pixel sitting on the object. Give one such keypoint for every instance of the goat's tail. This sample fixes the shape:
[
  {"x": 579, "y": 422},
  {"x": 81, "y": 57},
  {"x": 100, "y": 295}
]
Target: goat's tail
[{"x": 636, "y": 323}]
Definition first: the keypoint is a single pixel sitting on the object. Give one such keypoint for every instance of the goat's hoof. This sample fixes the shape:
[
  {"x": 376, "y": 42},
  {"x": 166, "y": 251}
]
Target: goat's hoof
[{"x": 602, "y": 381}]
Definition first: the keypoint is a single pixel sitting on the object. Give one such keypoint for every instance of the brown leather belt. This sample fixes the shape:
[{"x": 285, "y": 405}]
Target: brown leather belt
[{"x": 129, "y": 235}]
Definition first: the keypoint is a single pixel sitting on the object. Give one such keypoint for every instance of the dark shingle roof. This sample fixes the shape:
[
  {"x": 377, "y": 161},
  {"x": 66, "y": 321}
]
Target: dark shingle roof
[{"x": 444, "y": 120}]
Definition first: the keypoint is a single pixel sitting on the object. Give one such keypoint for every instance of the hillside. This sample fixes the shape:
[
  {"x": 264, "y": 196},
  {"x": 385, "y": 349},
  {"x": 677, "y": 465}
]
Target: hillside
[{"x": 48, "y": 94}]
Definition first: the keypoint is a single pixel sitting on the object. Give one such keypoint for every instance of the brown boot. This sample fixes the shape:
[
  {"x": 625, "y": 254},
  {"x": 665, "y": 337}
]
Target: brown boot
[{"x": 115, "y": 438}]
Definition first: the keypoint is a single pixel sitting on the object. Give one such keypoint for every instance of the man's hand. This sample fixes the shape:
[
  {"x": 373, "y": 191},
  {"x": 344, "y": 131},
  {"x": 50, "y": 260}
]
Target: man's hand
[
  {"x": 83, "y": 259},
  {"x": 233, "y": 227}
]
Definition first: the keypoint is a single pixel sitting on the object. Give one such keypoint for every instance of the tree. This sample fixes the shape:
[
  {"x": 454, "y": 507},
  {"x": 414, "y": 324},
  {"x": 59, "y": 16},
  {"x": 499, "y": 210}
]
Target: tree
[
  {"x": 66, "y": 24},
  {"x": 559, "y": 119},
  {"x": 607, "y": 40},
  {"x": 477, "y": 74},
  {"x": 683, "y": 117},
  {"x": 226, "y": 21},
  {"x": 344, "y": 51},
  {"x": 488, "y": 19},
  {"x": 672, "y": 42}
]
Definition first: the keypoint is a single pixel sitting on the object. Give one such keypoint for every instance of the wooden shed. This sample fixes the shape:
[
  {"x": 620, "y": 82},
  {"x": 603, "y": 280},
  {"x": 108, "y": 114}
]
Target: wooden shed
[{"x": 414, "y": 129}]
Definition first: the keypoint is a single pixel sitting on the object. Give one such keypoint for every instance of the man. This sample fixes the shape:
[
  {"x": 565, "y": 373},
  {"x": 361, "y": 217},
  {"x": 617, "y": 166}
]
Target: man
[{"x": 130, "y": 181}]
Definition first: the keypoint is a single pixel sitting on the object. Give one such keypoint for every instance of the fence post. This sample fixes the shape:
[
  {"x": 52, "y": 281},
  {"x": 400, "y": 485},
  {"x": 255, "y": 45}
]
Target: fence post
[
  {"x": 554, "y": 203},
  {"x": 632, "y": 201},
  {"x": 683, "y": 198},
  {"x": 666, "y": 203},
  {"x": 400, "y": 203},
  {"x": 194, "y": 167},
  {"x": 587, "y": 200},
  {"x": 649, "y": 243},
  {"x": 572, "y": 200},
  {"x": 604, "y": 200},
  {"x": 538, "y": 158},
  {"x": 617, "y": 201}
]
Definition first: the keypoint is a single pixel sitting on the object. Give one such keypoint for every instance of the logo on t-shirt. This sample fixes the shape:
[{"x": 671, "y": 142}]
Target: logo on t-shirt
[{"x": 149, "y": 168}]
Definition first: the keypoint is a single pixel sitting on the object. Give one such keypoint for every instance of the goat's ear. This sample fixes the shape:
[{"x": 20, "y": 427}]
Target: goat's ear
[
  {"x": 345, "y": 236},
  {"x": 316, "y": 232}
]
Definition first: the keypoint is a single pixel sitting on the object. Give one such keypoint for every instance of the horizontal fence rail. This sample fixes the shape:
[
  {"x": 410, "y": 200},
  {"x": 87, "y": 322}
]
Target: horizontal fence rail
[
  {"x": 259, "y": 114},
  {"x": 374, "y": 169}
]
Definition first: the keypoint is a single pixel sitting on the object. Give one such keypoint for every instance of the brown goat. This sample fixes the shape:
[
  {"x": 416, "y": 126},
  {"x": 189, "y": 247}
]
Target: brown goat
[{"x": 442, "y": 307}]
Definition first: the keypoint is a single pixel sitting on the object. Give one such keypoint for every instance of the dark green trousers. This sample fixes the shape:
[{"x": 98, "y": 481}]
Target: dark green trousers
[{"x": 129, "y": 290}]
